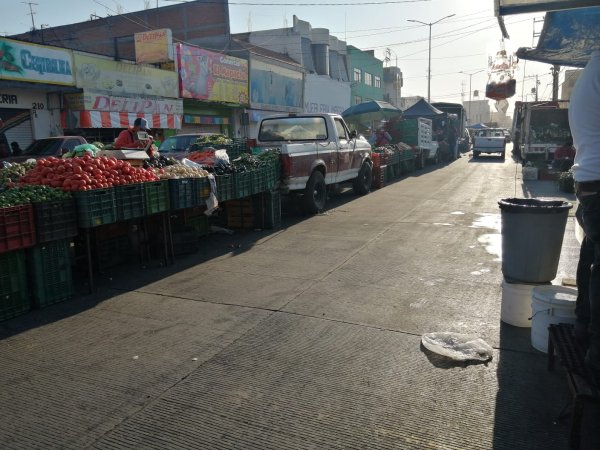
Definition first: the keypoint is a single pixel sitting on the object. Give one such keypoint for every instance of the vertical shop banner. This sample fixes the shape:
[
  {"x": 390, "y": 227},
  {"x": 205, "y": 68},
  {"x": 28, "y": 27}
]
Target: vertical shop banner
[
  {"x": 36, "y": 63},
  {"x": 120, "y": 78},
  {"x": 154, "y": 46},
  {"x": 275, "y": 88},
  {"x": 212, "y": 76}
]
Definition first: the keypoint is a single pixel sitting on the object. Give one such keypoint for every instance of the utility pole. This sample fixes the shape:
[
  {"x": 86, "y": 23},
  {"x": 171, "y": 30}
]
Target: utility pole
[
  {"x": 470, "y": 91},
  {"x": 430, "y": 24},
  {"x": 555, "y": 72},
  {"x": 537, "y": 83},
  {"x": 31, "y": 13}
]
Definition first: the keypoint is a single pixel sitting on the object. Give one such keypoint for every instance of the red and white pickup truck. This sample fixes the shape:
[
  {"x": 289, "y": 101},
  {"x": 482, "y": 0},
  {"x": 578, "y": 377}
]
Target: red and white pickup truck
[{"x": 317, "y": 150}]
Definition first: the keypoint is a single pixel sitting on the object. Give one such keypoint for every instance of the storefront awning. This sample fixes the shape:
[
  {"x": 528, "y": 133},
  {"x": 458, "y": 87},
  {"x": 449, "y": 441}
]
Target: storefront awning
[
  {"x": 105, "y": 119},
  {"x": 568, "y": 38}
]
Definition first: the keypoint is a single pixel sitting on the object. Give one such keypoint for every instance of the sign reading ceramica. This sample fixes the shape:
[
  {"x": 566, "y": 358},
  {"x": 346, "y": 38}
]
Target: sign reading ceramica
[
  {"x": 97, "y": 101},
  {"x": 37, "y": 63},
  {"x": 212, "y": 76},
  {"x": 120, "y": 78},
  {"x": 154, "y": 46}
]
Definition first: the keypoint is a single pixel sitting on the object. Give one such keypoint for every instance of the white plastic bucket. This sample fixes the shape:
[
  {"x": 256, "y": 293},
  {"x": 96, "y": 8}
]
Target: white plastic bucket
[
  {"x": 516, "y": 304},
  {"x": 550, "y": 305}
]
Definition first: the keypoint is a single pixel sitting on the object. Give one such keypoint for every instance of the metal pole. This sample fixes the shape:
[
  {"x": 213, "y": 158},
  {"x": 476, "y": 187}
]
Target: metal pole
[
  {"x": 536, "y": 88},
  {"x": 429, "y": 69},
  {"x": 470, "y": 92},
  {"x": 555, "y": 72}
]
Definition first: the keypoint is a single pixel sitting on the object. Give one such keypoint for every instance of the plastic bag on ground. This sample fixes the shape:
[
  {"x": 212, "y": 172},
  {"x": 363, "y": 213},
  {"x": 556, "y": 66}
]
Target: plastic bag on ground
[{"x": 459, "y": 347}]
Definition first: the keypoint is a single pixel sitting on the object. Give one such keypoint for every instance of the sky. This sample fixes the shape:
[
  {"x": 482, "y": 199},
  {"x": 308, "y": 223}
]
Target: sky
[{"x": 459, "y": 43}]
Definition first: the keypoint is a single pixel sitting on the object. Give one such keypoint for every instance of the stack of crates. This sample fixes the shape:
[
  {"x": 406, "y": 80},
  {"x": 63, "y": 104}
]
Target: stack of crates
[
  {"x": 240, "y": 213},
  {"x": 268, "y": 210},
  {"x": 50, "y": 269},
  {"x": 17, "y": 232},
  {"x": 379, "y": 176},
  {"x": 14, "y": 292}
]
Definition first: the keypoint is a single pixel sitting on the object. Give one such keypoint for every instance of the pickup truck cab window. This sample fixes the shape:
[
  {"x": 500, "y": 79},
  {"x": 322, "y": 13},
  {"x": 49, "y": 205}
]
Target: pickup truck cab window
[
  {"x": 342, "y": 132},
  {"x": 293, "y": 129}
]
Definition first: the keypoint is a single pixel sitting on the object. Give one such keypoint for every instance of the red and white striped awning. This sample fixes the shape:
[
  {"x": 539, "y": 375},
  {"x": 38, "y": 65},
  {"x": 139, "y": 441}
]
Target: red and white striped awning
[{"x": 106, "y": 119}]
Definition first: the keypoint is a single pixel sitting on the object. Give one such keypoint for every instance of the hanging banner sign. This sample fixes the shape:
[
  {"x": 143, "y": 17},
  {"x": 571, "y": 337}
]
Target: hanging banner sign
[
  {"x": 120, "y": 78},
  {"x": 212, "y": 76},
  {"x": 22, "y": 61},
  {"x": 154, "y": 46},
  {"x": 96, "y": 101}
]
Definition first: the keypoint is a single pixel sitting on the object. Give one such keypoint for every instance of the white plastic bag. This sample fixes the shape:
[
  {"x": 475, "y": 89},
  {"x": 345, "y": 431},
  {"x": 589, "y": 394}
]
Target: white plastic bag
[
  {"x": 189, "y": 163},
  {"x": 221, "y": 157},
  {"x": 459, "y": 347},
  {"x": 211, "y": 202}
]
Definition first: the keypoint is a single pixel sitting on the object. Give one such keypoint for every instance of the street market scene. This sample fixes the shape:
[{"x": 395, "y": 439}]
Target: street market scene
[{"x": 219, "y": 230}]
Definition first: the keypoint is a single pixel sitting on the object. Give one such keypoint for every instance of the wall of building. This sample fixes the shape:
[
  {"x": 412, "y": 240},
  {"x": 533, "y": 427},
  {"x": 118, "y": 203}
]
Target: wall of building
[
  {"x": 478, "y": 111},
  {"x": 392, "y": 85},
  {"x": 324, "y": 95},
  {"x": 367, "y": 64},
  {"x": 571, "y": 76},
  {"x": 198, "y": 22}
]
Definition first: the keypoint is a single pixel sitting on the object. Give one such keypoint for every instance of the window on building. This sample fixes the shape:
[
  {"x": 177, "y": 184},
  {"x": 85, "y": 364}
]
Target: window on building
[
  {"x": 368, "y": 79},
  {"x": 377, "y": 82},
  {"x": 357, "y": 99},
  {"x": 357, "y": 75}
]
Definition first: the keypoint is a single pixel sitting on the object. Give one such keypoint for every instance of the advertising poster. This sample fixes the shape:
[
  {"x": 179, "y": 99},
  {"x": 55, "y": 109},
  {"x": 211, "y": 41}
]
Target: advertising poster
[
  {"x": 38, "y": 63},
  {"x": 212, "y": 76},
  {"x": 275, "y": 88},
  {"x": 119, "y": 78},
  {"x": 154, "y": 46}
]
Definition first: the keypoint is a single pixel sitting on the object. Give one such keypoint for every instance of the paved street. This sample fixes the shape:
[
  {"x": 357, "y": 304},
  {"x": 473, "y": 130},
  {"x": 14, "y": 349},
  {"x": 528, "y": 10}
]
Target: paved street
[{"x": 307, "y": 337}]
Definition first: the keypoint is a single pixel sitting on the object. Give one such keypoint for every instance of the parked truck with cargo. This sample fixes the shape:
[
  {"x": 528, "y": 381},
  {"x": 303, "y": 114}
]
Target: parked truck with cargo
[
  {"x": 539, "y": 128},
  {"x": 317, "y": 151},
  {"x": 418, "y": 133}
]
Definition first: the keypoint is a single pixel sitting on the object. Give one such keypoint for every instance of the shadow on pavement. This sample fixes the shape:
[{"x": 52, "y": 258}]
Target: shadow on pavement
[{"x": 523, "y": 418}]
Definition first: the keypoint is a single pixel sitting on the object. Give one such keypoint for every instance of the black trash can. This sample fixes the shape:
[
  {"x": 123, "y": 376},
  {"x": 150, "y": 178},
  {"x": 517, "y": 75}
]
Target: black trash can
[{"x": 532, "y": 236}]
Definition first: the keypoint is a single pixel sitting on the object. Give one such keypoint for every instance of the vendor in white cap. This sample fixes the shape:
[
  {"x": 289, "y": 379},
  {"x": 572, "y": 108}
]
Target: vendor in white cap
[{"x": 129, "y": 138}]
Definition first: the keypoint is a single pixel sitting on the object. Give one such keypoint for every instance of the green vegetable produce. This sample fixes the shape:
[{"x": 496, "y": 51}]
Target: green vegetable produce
[
  {"x": 30, "y": 194},
  {"x": 13, "y": 173}
]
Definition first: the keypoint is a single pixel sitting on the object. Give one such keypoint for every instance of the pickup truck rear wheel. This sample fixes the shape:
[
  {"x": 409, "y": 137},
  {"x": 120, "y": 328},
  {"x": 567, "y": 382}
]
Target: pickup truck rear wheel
[
  {"x": 362, "y": 183},
  {"x": 475, "y": 154},
  {"x": 315, "y": 193}
]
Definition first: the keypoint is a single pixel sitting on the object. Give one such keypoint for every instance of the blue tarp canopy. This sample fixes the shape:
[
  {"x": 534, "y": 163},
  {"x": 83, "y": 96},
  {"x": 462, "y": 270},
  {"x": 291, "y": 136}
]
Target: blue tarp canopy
[
  {"x": 422, "y": 109},
  {"x": 568, "y": 38}
]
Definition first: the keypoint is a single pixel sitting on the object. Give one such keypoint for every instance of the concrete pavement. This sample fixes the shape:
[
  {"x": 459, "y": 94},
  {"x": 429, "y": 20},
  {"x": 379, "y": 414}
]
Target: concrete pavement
[{"x": 305, "y": 337}]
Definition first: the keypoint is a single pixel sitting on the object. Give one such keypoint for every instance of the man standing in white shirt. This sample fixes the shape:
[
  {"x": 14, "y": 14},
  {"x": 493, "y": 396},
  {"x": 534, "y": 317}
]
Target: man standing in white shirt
[{"x": 584, "y": 119}]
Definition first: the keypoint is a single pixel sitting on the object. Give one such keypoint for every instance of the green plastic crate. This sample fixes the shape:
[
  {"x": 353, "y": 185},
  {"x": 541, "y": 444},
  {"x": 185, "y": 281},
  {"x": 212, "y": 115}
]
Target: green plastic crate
[
  {"x": 181, "y": 193},
  {"x": 242, "y": 185},
  {"x": 96, "y": 207},
  {"x": 259, "y": 180},
  {"x": 130, "y": 201},
  {"x": 268, "y": 210},
  {"x": 50, "y": 269},
  {"x": 273, "y": 174},
  {"x": 55, "y": 220},
  {"x": 224, "y": 187},
  {"x": 14, "y": 295},
  {"x": 201, "y": 191},
  {"x": 157, "y": 196}
]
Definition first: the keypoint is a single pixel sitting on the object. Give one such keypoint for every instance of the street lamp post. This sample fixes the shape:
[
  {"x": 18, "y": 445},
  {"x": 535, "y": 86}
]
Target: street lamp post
[
  {"x": 470, "y": 91},
  {"x": 430, "y": 24}
]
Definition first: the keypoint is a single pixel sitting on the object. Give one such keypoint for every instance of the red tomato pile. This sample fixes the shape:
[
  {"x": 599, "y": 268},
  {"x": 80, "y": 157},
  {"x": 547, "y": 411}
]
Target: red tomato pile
[{"x": 86, "y": 173}]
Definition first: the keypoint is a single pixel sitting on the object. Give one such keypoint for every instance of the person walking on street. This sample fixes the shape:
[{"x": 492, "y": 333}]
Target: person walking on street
[{"x": 584, "y": 119}]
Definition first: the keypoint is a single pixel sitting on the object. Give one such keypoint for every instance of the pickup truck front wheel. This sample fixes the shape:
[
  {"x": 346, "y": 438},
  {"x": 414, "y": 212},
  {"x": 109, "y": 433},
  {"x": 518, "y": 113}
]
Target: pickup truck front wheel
[
  {"x": 362, "y": 183},
  {"x": 315, "y": 193}
]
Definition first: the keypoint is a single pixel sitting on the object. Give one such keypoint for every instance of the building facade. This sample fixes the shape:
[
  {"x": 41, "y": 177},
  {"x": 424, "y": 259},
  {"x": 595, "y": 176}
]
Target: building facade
[
  {"x": 392, "y": 85},
  {"x": 31, "y": 91},
  {"x": 478, "y": 111},
  {"x": 366, "y": 72},
  {"x": 571, "y": 76}
]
